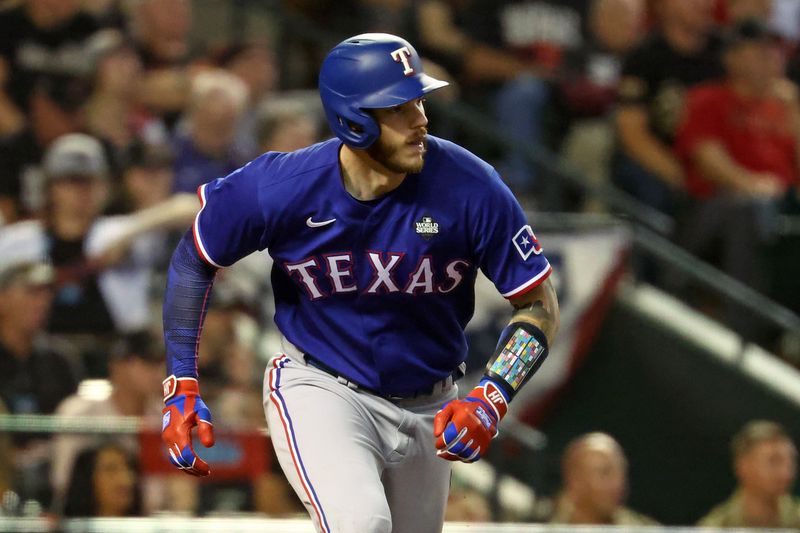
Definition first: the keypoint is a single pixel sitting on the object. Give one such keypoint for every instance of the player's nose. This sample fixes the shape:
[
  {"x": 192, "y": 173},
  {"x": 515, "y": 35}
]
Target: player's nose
[{"x": 418, "y": 118}]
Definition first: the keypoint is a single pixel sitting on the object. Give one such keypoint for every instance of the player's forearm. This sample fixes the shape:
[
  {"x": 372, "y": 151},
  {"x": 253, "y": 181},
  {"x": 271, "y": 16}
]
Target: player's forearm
[
  {"x": 539, "y": 308},
  {"x": 525, "y": 342},
  {"x": 189, "y": 283}
]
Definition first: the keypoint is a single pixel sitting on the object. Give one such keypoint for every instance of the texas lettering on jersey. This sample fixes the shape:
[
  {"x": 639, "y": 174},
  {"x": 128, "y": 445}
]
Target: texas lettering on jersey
[{"x": 337, "y": 270}]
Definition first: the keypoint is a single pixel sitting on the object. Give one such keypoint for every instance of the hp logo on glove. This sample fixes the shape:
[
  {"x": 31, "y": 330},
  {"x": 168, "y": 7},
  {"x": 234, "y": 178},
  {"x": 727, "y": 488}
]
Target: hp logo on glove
[
  {"x": 401, "y": 55},
  {"x": 496, "y": 397}
]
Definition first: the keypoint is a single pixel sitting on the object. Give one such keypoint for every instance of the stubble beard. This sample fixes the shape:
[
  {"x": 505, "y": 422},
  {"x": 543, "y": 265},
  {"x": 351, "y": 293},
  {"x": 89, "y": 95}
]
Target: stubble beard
[{"x": 388, "y": 156}]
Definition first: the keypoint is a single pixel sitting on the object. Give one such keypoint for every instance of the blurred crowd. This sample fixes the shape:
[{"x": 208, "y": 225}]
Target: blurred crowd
[{"x": 112, "y": 112}]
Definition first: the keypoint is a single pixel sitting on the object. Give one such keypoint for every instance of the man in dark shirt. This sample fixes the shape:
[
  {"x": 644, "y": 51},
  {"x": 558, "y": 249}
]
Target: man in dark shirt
[
  {"x": 44, "y": 40},
  {"x": 33, "y": 378},
  {"x": 539, "y": 34},
  {"x": 655, "y": 77}
]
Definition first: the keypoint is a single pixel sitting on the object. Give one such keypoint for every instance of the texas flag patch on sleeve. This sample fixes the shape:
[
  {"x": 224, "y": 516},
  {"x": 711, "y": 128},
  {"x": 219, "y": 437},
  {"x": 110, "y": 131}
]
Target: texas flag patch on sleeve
[{"x": 526, "y": 243}]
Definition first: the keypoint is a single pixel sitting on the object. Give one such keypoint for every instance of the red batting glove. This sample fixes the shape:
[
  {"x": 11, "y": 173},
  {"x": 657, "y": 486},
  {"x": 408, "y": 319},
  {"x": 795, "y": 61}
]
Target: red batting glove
[
  {"x": 184, "y": 409},
  {"x": 464, "y": 428}
]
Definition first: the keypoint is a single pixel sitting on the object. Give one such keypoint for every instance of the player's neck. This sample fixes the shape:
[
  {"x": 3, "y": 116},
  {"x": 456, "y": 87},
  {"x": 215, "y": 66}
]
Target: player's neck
[{"x": 364, "y": 178}]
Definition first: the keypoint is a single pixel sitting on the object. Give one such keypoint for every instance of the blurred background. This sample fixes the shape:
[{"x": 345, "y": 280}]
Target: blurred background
[{"x": 654, "y": 144}]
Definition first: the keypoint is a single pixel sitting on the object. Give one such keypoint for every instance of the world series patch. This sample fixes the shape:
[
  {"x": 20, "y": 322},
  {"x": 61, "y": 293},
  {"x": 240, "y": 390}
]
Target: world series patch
[
  {"x": 426, "y": 227},
  {"x": 517, "y": 358}
]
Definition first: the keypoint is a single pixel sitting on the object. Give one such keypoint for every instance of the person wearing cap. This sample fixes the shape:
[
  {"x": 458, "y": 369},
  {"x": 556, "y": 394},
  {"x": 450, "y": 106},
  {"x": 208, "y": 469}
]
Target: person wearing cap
[
  {"x": 147, "y": 177},
  {"x": 738, "y": 144},
  {"x": 56, "y": 110},
  {"x": 104, "y": 263},
  {"x": 134, "y": 362},
  {"x": 765, "y": 465},
  {"x": 33, "y": 377}
]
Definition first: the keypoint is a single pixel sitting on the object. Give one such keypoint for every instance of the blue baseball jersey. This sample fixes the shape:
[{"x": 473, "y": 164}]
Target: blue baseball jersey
[{"x": 380, "y": 290}]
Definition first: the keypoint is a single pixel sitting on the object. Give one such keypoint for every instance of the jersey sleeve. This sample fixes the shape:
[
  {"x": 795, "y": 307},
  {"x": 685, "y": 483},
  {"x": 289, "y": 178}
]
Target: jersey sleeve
[
  {"x": 508, "y": 251},
  {"x": 232, "y": 223}
]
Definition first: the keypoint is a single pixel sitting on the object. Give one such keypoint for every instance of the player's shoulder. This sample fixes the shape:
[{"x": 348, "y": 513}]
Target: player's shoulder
[
  {"x": 276, "y": 168},
  {"x": 450, "y": 159}
]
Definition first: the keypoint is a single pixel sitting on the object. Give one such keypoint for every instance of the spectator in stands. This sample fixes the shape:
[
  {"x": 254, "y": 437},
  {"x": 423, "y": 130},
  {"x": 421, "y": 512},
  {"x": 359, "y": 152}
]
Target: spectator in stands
[
  {"x": 93, "y": 301},
  {"x": 540, "y": 34},
  {"x": 206, "y": 149},
  {"x": 595, "y": 484},
  {"x": 114, "y": 112},
  {"x": 104, "y": 483},
  {"x": 683, "y": 53},
  {"x": 254, "y": 63},
  {"x": 286, "y": 124},
  {"x": 505, "y": 54},
  {"x": 738, "y": 143},
  {"x": 55, "y": 110},
  {"x": 467, "y": 505},
  {"x": 147, "y": 177},
  {"x": 41, "y": 41},
  {"x": 135, "y": 362},
  {"x": 739, "y": 10},
  {"x": 587, "y": 88},
  {"x": 160, "y": 30},
  {"x": 765, "y": 464},
  {"x": 33, "y": 377}
]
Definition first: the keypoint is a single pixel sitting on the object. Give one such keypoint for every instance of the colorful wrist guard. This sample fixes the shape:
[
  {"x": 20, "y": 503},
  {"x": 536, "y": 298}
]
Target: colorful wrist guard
[{"x": 519, "y": 354}]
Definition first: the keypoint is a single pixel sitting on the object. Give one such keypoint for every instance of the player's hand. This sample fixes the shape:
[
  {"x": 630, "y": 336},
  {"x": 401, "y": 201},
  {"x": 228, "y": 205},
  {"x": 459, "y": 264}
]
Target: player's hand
[
  {"x": 464, "y": 428},
  {"x": 183, "y": 410}
]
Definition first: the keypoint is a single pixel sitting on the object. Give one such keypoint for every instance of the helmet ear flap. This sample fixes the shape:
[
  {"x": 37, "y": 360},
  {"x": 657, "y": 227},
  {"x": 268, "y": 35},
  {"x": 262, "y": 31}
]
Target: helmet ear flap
[{"x": 355, "y": 127}]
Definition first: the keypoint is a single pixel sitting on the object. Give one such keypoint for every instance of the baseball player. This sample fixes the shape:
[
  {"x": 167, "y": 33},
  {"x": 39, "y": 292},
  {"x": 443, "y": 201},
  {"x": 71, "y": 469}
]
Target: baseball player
[{"x": 376, "y": 236}]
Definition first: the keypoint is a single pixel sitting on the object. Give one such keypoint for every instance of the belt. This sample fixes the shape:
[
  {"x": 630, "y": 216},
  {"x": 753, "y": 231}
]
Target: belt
[{"x": 344, "y": 380}]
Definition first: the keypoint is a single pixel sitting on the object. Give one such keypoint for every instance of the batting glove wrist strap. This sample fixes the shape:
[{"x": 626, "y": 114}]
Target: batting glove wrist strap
[{"x": 174, "y": 385}]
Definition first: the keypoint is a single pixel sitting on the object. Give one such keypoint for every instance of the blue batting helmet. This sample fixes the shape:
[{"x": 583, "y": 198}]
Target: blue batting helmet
[{"x": 369, "y": 71}]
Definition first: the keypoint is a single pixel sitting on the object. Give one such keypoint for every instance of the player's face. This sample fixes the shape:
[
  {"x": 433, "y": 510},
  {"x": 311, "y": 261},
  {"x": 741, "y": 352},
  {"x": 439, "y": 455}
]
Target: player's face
[{"x": 402, "y": 144}]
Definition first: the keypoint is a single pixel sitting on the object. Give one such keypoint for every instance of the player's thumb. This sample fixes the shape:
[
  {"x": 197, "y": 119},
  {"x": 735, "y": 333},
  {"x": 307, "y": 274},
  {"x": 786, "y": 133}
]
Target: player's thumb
[
  {"x": 442, "y": 418},
  {"x": 206, "y": 433}
]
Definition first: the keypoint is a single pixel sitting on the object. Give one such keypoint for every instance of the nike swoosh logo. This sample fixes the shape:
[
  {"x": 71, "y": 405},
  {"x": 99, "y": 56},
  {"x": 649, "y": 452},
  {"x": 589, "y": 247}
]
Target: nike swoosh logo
[{"x": 311, "y": 224}]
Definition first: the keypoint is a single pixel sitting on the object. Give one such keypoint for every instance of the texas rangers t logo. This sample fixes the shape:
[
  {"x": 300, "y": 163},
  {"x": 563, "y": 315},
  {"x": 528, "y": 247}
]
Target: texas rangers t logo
[{"x": 401, "y": 55}]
